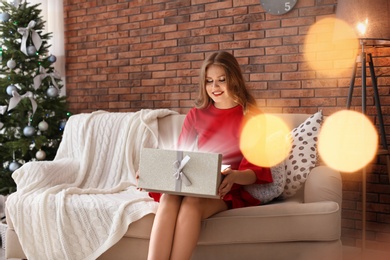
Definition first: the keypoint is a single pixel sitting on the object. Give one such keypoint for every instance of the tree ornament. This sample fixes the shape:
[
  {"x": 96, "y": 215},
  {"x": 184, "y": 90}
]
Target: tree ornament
[
  {"x": 52, "y": 92},
  {"x": 16, "y": 98},
  {"x": 52, "y": 58},
  {"x": 31, "y": 50},
  {"x": 11, "y": 88},
  {"x": 13, "y": 166},
  {"x": 40, "y": 155},
  {"x": 62, "y": 125},
  {"x": 11, "y": 64},
  {"x": 43, "y": 74},
  {"x": 4, "y": 17},
  {"x": 35, "y": 38},
  {"x": 28, "y": 131},
  {"x": 43, "y": 125},
  {"x": 16, "y": 2}
]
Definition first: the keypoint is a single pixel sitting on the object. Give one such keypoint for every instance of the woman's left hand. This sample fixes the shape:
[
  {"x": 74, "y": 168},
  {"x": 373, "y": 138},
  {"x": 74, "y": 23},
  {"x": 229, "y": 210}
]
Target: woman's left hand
[{"x": 227, "y": 182}]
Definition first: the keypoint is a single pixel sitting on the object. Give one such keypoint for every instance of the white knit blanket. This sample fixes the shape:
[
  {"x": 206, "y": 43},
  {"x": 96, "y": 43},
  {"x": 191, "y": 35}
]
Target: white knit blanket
[{"x": 81, "y": 203}]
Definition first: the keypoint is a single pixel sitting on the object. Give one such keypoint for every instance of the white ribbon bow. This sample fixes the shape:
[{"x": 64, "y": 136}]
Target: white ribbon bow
[
  {"x": 2, "y": 111},
  {"x": 36, "y": 39},
  {"x": 179, "y": 175},
  {"x": 43, "y": 74},
  {"x": 14, "y": 101}
]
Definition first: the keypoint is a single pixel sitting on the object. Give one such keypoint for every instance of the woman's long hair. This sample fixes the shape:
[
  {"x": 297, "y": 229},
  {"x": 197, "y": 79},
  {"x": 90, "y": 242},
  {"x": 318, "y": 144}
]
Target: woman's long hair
[{"x": 235, "y": 81}]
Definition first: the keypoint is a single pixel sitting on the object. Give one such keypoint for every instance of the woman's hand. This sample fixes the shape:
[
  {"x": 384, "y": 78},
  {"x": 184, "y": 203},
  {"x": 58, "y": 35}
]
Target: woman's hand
[
  {"x": 227, "y": 182},
  {"x": 243, "y": 177}
]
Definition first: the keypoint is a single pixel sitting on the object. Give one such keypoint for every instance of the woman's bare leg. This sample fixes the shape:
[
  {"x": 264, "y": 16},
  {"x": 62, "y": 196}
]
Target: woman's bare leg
[
  {"x": 163, "y": 229},
  {"x": 192, "y": 212}
]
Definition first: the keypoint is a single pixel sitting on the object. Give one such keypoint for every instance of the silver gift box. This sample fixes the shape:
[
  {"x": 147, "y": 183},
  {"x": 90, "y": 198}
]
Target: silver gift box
[{"x": 196, "y": 174}]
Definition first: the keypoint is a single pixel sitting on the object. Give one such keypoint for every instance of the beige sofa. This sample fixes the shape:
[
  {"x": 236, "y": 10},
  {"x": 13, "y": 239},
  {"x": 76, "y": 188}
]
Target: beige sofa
[{"x": 305, "y": 226}]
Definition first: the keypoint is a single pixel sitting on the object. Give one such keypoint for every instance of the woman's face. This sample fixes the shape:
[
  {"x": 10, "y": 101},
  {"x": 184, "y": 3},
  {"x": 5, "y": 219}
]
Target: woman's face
[{"x": 217, "y": 88}]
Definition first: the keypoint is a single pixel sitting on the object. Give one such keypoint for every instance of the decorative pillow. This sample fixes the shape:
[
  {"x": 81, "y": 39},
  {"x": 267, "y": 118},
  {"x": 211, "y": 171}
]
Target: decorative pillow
[
  {"x": 303, "y": 155},
  {"x": 267, "y": 192}
]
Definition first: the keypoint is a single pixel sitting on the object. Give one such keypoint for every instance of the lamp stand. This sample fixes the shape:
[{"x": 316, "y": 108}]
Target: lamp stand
[{"x": 364, "y": 58}]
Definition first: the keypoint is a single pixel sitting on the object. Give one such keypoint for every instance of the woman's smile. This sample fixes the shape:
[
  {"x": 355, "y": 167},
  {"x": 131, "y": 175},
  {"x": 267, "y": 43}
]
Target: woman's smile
[{"x": 217, "y": 87}]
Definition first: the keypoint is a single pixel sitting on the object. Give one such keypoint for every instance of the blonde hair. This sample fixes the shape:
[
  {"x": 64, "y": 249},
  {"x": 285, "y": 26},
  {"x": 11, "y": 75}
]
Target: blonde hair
[{"x": 235, "y": 81}]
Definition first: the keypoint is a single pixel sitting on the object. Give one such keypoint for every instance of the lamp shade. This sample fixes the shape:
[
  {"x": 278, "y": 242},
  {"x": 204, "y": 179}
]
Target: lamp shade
[{"x": 370, "y": 18}]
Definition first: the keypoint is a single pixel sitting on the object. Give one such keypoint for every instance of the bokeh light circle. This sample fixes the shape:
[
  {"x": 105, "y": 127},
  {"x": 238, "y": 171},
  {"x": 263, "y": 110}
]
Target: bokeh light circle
[
  {"x": 331, "y": 46},
  {"x": 265, "y": 140},
  {"x": 348, "y": 141}
]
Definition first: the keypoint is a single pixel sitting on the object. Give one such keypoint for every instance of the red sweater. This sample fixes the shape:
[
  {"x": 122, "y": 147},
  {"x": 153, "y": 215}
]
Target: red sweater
[{"x": 218, "y": 130}]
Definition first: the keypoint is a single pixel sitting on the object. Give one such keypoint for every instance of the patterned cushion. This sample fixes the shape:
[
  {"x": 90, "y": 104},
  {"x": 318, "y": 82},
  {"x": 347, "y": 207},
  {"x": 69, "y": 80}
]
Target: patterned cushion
[
  {"x": 267, "y": 192},
  {"x": 303, "y": 155}
]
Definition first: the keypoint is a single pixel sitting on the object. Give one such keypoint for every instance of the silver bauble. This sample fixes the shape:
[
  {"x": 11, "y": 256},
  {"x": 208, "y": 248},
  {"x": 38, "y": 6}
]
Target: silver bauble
[
  {"x": 10, "y": 89},
  {"x": 52, "y": 58},
  {"x": 52, "y": 92},
  {"x": 11, "y": 64},
  {"x": 28, "y": 131},
  {"x": 40, "y": 155},
  {"x": 62, "y": 125},
  {"x": 13, "y": 166},
  {"x": 43, "y": 125},
  {"x": 4, "y": 17},
  {"x": 31, "y": 50},
  {"x": 17, "y": 3}
]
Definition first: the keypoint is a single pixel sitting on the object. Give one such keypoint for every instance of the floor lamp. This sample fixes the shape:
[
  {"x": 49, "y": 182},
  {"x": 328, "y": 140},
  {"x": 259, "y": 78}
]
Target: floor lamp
[{"x": 371, "y": 19}]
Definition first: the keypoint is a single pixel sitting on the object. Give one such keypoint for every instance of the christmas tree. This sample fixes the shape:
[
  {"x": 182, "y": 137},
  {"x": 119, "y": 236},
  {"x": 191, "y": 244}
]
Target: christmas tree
[{"x": 32, "y": 111}]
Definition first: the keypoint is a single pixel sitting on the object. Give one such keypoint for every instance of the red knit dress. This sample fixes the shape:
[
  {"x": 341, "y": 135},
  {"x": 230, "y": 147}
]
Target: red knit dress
[{"x": 218, "y": 130}]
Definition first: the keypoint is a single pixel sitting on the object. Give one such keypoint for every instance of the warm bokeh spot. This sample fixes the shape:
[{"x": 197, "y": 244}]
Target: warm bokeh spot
[
  {"x": 265, "y": 140},
  {"x": 331, "y": 47},
  {"x": 348, "y": 141}
]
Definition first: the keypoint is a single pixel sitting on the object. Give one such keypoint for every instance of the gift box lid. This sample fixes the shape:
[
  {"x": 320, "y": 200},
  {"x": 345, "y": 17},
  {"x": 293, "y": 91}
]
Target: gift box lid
[{"x": 184, "y": 173}]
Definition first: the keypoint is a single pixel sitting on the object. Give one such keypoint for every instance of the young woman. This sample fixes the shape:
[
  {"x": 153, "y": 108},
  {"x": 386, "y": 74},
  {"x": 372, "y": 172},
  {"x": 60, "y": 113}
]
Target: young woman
[{"x": 222, "y": 106}]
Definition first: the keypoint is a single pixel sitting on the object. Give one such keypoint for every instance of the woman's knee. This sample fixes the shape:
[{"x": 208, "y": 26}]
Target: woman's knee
[
  {"x": 168, "y": 200},
  {"x": 193, "y": 201},
  {"x": 192, "y": 205},
  {"x": 202, "y": 207}
]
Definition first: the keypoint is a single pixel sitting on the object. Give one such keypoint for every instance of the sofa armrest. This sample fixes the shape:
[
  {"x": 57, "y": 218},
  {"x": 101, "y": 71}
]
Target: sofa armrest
[{"x": 323, "y": 184}]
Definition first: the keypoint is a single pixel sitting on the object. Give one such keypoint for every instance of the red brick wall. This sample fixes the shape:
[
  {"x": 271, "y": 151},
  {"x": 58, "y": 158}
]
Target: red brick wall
[{"x": 129, "y": 55}]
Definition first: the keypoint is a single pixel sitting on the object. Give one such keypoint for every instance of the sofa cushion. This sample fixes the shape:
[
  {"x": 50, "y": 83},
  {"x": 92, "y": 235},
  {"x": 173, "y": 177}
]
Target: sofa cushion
[
  {"x": 290, "y": 174},
  {"x": 280, "y": 222},
  {"x": 303, "y": 155},
  {"x": 269, "y": 191},
  {"x": 286, "y": 221}
]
